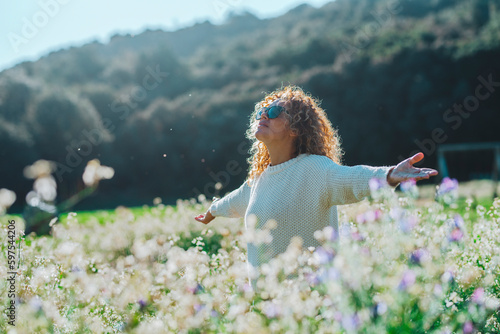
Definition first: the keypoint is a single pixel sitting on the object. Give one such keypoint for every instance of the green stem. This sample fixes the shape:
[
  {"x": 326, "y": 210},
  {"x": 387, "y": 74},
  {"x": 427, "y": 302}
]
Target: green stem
[{"x": 76, "y": 198}]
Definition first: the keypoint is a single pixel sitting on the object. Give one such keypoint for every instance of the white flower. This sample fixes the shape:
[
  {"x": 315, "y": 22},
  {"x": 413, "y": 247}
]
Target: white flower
[
  {"x": 39, "y": 169},
  {"x": 45, "y": 186},
  {"x": 7, "y": 198},
  {"x": 94, "y": 172}
]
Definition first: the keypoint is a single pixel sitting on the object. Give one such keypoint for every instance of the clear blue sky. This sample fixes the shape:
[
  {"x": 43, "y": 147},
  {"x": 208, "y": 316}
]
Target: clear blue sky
[{"x": 32, "y": 28}]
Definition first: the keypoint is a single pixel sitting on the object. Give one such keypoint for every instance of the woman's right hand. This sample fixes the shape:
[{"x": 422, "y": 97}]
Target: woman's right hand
[{"x": 205, "y": 218}]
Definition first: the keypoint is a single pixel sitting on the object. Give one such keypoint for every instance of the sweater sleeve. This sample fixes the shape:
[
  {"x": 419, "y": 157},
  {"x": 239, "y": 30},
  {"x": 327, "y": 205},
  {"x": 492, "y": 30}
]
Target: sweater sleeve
[
  {"x": 233, "y": 205},
  {"x": 350, "y": 184}
]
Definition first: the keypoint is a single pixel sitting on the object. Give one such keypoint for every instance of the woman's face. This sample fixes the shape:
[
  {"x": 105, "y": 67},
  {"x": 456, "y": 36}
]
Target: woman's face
[{"x": 273, "y": 130}]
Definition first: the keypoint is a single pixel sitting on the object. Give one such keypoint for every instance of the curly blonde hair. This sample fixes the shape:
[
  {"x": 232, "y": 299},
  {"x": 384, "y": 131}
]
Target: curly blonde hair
[{"x": 315, "y": 134}]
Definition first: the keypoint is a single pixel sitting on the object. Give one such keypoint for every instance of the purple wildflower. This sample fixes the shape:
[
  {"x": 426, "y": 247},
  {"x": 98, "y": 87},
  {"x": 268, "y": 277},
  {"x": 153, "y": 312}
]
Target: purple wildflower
[
  {"x": 312, "y": 279},
  {"x": 419, "y": 255},
  {"x": 407, "y": 186},
  {"x": 408, "y": 280},
  {"x": 468, "y": 327},
  {"x": 142, "y": 303},
  {"x": 345, "y": 230},
  {"x": 406, "y": 224},
  {"x": 351, "y": 322},
  {"x": 199, "y": 288},
  {"x": 77, "y": 270},
  {"x": 478, "y": 296},
  {"x": 195, "y": 289},
  {"x": 356, "y": 236},
  {"x": 456, "y": 235},
  {"x": 369, "y": 216},
  {"x": 198, "y": 307},
  {"x": 376, "y": 184},
  {"x": 333, "y": 274},
  {"x": 324, "y": 255},
  {"x": 447, "y": 185},
  {"x": 447, "y": 191},
  {"x": 458, "y": 221},
  {"x": 457, "y": 228},
  {"x": 327, "y": 275},
  {"x": 396, "y": 213}
]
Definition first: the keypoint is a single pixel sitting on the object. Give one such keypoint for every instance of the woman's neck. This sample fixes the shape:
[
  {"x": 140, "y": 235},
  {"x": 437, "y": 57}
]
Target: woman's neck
[{"x": 279, "y": 155}]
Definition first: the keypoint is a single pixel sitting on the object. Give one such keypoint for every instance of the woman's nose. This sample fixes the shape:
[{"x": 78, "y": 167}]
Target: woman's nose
[{"x": 264, "y": 115}]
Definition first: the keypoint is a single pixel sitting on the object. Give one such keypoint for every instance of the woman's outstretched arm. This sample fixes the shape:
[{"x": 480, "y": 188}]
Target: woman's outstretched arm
[
  {"x": 233, "y": 205},
  {"x": 348, "y": 185}
]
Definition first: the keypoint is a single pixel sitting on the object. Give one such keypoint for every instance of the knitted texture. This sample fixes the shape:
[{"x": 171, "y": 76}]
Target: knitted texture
[{"x": 301, "y": 195}]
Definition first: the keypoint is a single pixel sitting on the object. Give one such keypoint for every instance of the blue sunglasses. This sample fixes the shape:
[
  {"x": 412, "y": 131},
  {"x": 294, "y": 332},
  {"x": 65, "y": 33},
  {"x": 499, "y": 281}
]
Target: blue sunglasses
[{"x": 272, "y": 112}]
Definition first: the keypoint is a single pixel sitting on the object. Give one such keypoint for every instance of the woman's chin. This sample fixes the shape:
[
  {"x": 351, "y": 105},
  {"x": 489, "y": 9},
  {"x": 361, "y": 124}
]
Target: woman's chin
[{"x": 259, "y": 135}]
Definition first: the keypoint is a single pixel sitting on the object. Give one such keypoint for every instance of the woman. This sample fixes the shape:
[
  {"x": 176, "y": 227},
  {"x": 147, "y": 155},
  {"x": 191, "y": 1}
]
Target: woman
[{"x": 295, "y": 177}]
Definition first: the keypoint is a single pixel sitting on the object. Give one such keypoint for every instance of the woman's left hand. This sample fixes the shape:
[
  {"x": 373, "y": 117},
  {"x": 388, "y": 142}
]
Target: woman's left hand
[{"x": 405, "y": 171}]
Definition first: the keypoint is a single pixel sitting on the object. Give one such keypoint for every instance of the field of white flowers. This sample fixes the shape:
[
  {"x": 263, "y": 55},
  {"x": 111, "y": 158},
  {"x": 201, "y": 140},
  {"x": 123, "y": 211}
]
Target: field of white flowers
[{"x": 399, "y": 264}]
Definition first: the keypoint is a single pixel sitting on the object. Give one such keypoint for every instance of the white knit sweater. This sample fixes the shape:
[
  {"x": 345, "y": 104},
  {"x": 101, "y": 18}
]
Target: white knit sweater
[{"x": 301, "y": 195}]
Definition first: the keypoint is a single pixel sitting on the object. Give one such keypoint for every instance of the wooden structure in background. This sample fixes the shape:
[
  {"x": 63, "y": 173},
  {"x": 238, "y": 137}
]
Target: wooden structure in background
[{"x": 495, "y": 147}]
